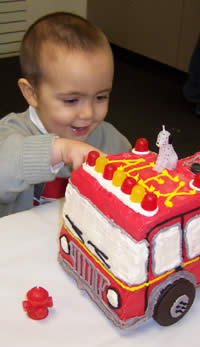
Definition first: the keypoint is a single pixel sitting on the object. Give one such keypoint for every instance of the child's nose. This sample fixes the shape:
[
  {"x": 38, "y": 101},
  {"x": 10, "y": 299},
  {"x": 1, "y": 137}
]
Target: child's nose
[{"x": 87, "y": 111}]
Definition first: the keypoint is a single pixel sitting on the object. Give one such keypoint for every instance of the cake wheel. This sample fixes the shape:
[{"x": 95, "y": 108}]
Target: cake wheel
[{"x": 174, "y": 302}]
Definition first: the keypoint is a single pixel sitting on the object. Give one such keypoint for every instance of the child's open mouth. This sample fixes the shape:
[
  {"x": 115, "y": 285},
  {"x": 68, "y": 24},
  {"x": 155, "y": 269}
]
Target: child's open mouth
[{"x": 80, "y": 130}]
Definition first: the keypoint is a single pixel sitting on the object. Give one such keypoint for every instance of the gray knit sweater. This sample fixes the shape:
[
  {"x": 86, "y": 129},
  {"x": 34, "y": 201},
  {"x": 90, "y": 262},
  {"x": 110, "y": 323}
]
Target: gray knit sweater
[{"x": 25, "y": 158}]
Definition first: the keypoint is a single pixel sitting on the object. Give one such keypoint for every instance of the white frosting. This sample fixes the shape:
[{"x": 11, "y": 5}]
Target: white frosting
[
  {"x": 125, "y": 198},
  {"x": 192, "y": 185},
  {"x": 125, "y": 258},
  {"x": 192, "y": 236},
  {"x": 139, "y": 153},
  {"x": 167, "y": 249}
]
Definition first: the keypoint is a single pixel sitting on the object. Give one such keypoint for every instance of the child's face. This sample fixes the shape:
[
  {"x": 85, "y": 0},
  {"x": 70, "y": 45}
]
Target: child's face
[{"x": 73, "y": 96}]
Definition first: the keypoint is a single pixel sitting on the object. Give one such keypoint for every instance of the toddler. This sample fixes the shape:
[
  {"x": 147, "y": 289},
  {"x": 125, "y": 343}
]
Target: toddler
[{"x": 67, "y": 69}]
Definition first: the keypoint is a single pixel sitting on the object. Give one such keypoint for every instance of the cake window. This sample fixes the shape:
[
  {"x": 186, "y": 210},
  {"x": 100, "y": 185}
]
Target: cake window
[
  {"x": 192, "y": 237},
  {"x": 166, "y": 249}
]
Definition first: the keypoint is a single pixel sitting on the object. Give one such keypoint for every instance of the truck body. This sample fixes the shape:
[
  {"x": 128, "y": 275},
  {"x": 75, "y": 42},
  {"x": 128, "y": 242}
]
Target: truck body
[{"x": 131, "y": 236}]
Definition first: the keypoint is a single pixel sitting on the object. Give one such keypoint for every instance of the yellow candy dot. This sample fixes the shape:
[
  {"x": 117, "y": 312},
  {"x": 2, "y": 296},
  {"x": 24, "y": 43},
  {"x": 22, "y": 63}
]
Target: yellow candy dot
[
  {"x": 137, "y": 193},
  {"x": 100, "y": 164},
  {"x": 118, "y": 178}
]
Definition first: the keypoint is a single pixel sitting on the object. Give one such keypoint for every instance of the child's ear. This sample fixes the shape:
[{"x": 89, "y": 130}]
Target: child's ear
[{"x": 28, "y": 92}]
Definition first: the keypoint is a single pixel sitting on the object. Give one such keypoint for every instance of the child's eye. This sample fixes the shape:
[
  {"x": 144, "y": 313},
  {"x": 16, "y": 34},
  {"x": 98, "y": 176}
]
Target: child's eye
[
  {"x": 102, "y": 97},
  {"x": 70, "y": 101}
]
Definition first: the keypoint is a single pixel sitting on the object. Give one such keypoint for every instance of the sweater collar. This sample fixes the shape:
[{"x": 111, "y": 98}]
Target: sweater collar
[{"x": 36, "y": 120}]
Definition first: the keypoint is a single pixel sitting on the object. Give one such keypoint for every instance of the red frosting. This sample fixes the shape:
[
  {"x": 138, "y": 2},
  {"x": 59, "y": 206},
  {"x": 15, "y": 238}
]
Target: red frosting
[{"x": 135, "y": 223}]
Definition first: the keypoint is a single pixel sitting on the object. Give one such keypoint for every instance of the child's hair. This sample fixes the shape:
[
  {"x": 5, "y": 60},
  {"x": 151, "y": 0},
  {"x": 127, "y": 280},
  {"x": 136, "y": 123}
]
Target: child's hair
[{"x": 62, "y": 29}]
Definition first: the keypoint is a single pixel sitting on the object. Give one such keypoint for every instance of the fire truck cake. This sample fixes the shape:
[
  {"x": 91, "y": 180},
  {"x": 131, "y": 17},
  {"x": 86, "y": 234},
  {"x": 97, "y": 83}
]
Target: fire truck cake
[{"x": 131, "y": 232}]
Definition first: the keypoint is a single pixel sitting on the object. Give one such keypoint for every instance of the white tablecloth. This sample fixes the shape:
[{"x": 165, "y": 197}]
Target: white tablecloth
[{"x": 28, "y": 258}]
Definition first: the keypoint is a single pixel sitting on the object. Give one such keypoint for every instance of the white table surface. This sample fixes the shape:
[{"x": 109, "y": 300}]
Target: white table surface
[{"x": 28, "y": 258}]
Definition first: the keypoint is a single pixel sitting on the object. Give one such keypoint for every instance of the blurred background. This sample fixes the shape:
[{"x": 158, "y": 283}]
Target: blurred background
[{"x": 152, "y": 42}]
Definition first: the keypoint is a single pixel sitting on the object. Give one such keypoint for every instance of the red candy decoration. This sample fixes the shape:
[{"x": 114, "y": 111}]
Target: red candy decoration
[
  {"x": 196, "y": 181},
  {"x": 37, "y": 303},
  {"x": 109, "y": 171},
  {"x": 141, "y": 145},
  {"x": 92, "y": 157},
  {"x": 149, "y": 203},
  {"x": 128, "y": 184}
]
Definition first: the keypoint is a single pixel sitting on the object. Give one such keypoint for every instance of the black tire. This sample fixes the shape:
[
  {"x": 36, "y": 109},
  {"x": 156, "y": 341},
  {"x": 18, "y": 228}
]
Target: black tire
[{"x": 174, "y": 302}]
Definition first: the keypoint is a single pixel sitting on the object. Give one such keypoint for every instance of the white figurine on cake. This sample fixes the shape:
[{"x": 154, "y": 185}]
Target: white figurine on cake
[{"x": 167, "y": 157}]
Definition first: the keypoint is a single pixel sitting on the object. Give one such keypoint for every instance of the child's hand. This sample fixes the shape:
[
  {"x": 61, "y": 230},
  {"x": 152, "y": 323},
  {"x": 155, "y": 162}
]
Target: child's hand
[{"x": 71, "y": 152}]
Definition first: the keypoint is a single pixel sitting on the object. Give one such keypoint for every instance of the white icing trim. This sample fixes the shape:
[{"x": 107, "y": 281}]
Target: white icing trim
[
  {"x": 125, "y": 198},
  {"x": 139, "y": 152},
  {"x": 192, "y": 186}
]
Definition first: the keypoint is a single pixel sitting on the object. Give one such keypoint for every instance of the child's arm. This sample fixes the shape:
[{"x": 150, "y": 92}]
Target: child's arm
[
  {"x": 70, "y": 152},
  {"x": 28, "y": 160}
]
